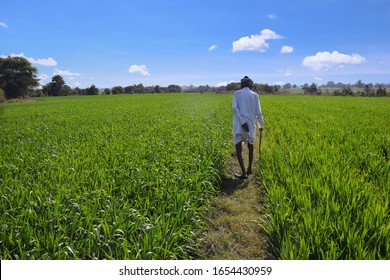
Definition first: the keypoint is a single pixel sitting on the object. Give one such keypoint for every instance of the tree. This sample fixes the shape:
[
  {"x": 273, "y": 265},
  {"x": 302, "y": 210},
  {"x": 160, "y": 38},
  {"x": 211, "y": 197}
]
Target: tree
[
  {"x": 233, "y": 86},
  {"x": 205, "y": 88},
  {"x": 149, "y": 89},
  {"x": 264, "y": 88},
  {"x": 369, "y": 90},
  {"x": 347, "y": 91},
  {"x": 381, "y": 91},
  {"x": 117, "y": 90},
  {"x": 92, "y": 90},
  {"x": 129, "y": 89},
  {"x": 139, "y": 88},
  {"x": 359, "y": 84},
  {"x": 312, "y": 89},
  {"x": 54, "y": 87},
  {"x": 174, "y": 88},
  {"x": 77, "y": 91},
  {"x": 66, "y": 90},
  {"x": 17, "y": 76},
  {"x": 157, "y": 89}
]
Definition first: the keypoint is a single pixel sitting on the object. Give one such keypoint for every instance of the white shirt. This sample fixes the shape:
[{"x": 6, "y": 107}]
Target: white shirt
[{"x": 247, "y": 109}]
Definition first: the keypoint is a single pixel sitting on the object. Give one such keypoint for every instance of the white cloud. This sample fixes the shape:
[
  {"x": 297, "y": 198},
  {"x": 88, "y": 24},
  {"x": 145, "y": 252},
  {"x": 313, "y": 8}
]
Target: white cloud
[
  {"x": 272, "y": 16},
  {"x": 213, "y": 47},
  {"x": 77, "y": 84},
  {"x": 323, "y": 61},
  {"x": 223, "y": 84},
  {"x": 40, "y": 61},
  {"x": 317, "y": 78},
  {"x": 287, "y": 49},
  {"x": 3, "y": 24},
  {"x": 139, "y": 69},
  {"x": 42, "y": 78},
  {"x": 255, "y": 42},
  {"x": 65, "y": 73},
  {"x": 43, "y": 61}
]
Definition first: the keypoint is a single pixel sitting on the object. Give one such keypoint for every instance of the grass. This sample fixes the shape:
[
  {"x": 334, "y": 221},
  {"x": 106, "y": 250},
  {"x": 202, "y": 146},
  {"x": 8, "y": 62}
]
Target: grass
[
  {"x": 109, "y": 177},
  {"x": 325, "y": 171},
  {"x": 136, "y": 176}
]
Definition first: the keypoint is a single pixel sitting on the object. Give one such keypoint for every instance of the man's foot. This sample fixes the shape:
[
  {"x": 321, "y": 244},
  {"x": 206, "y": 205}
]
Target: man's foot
[
  {"x": 242, "y": 176},
  {"x": 249, "y": 172}
]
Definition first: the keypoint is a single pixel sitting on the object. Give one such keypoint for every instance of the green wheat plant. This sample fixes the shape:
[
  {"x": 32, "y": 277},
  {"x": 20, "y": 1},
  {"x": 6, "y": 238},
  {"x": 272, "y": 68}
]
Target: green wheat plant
[
  {"x": 110, "y": 177},
  {"x": 325, "y": 169}
]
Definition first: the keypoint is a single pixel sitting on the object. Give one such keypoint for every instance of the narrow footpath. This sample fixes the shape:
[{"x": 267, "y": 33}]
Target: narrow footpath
[{"x": 235, "y": 216}]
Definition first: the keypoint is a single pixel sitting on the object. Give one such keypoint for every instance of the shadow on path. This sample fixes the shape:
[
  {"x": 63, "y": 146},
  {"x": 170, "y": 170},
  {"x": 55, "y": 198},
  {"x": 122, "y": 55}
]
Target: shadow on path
[{"x": 230, "y": 185}]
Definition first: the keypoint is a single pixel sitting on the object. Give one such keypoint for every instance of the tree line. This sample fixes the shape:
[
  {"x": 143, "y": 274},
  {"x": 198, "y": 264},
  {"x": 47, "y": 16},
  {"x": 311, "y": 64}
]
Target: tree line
[
  {"x": 359, "y": 89},
  {"x": 18, "y": 78}
]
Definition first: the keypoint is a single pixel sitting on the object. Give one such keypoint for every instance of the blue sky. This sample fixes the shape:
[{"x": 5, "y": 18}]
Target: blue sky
[{"x": 118, "y": 42}]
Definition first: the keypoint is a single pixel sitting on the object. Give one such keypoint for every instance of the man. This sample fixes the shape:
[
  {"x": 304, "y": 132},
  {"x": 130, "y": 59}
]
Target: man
[{"x": 247, "y": 111}]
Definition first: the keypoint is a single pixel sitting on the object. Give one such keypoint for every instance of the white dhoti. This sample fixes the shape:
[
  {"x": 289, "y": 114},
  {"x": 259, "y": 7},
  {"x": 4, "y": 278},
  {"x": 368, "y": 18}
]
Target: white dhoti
[{"x": 240, "y": 135}]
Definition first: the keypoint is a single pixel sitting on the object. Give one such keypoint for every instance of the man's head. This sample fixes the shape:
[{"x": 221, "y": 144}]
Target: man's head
[{"x": 246, "y": 82}]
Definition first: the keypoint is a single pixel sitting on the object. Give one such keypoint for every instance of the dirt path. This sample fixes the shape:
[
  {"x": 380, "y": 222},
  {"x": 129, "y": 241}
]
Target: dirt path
[{"x": 235, "y": 216}]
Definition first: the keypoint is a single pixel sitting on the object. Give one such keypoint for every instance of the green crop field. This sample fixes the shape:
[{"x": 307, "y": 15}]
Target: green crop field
[
  {"x": 131, "y": 176},
  {"x": 326, "y": 172},
  {"x": 116, "y": 177}
]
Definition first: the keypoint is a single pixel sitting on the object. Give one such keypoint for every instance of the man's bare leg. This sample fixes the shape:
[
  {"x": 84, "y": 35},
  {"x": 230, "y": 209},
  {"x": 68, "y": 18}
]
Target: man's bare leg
[
  {"x": 240, "y": 161},
  {"x": 250, "y": 152}
]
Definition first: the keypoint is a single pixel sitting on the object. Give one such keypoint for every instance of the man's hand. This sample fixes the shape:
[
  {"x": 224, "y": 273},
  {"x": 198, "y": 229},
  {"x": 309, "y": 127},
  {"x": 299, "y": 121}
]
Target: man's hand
[
  {"x": 260, "y": 128},
  {"x": 245, "y": 127}
]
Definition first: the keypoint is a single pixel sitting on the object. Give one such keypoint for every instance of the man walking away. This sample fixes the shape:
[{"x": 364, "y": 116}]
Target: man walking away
[{"x": 247, "y": 112}]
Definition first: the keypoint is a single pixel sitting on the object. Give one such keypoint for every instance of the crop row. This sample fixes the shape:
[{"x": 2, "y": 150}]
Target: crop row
[
  {"x": 109, "y": 177},
  {"x": 131, "y": 176},
  {"x": 325, "y": 168}
]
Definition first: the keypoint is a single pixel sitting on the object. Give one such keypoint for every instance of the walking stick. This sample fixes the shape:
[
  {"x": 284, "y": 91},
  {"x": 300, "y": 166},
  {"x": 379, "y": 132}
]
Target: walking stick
[
  {"x": 261, "y": 133},
  {"x": 259, "y": 164}
]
